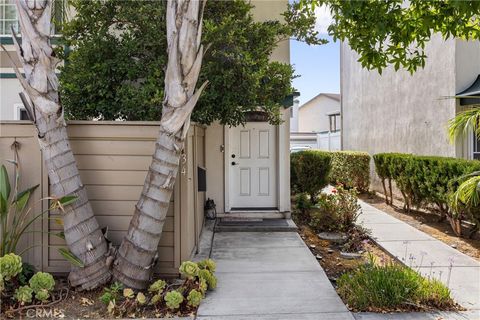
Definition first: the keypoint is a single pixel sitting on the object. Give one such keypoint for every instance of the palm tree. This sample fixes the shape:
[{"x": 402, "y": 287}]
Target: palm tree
[
  {"x": 82, "y": 232},
  {"x": 137, "y": 253}
]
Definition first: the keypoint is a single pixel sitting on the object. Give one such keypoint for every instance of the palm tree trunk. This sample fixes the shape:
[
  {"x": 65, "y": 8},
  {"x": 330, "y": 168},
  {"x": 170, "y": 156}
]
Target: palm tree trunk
[
  {"x": 138, "y": 251},
  {"x": 82, "y": 232}
]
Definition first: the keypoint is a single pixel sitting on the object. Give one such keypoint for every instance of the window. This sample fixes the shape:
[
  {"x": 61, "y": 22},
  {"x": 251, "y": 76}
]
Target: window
[
  {"x": 334, "y": 120},
  {"x": 20, "y": 112},
  {"x": 8, "y": 17}
]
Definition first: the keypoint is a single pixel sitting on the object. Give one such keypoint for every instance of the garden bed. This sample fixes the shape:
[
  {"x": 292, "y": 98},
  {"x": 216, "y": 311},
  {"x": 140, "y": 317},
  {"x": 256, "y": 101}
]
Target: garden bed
[
  {"x": 88, "y": 305},
  {"x": 427, "y": 222},
  {"x": 329, "y": 256},
  {"x": 42, "y": 296}
]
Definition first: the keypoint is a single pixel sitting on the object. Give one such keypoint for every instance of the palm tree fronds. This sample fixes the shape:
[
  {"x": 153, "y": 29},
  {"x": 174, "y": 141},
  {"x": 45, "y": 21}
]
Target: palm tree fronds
[
  {"x": 469, "y": 192},
  {"x": 463, "y": 122}
]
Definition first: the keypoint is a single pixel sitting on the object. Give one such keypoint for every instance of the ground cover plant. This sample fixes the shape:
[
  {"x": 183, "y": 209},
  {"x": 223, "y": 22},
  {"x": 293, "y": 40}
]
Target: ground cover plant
[
  {"x": 336, "y": 211},
  {"x": 182, "y": 297},
  {"x": 21, "y": 288},
  {"x": 429, "y": 182},
  {"x": 374, "y": 287},
  {"x": 162, "y": 298}
]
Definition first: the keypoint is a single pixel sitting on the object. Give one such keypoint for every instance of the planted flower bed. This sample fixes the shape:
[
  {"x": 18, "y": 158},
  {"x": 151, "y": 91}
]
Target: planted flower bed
[
  {"x": 23, "y": 292},
  {"x": 366, "y": 278},
  {"x": 373, "y": 281}
]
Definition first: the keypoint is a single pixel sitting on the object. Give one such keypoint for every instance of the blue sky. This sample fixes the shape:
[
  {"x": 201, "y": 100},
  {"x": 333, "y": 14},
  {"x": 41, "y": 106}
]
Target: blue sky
[{"x": 317, "y": 66}]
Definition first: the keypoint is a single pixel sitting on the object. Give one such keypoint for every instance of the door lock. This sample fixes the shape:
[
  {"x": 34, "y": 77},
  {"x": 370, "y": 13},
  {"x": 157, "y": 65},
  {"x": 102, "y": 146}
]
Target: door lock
[{"x": 234, "y": 163}]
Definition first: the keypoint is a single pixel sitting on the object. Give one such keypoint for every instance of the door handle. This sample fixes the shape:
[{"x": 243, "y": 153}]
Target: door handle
[{"x": 234, "y": 163}]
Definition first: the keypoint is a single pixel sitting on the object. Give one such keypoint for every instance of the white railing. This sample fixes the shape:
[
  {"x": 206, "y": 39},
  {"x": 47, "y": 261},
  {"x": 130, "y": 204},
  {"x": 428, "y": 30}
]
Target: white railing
[{"x": 327, "y": 141}]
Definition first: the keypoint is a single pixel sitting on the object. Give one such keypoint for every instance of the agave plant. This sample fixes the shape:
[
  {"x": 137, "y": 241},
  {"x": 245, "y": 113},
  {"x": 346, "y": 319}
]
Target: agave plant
[{"x": 16, "y": 216}]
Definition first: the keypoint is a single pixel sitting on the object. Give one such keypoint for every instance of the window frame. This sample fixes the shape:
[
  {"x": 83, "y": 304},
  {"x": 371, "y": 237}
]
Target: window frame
[
  {"x": 17, "y": 112},
  {"x": 3, "y": 20}
]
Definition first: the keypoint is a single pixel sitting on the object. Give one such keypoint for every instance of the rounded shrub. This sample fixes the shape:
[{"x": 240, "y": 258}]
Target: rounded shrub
[
  {"x": 351, "y": 169},
  {"x": 310, "y": 170}
]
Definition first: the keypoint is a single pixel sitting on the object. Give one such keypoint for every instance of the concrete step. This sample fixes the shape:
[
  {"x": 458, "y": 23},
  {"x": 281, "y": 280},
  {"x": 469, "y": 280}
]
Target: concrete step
[
  {"x": 255, "y": 215},
  {"x": 255, "y": 225}
]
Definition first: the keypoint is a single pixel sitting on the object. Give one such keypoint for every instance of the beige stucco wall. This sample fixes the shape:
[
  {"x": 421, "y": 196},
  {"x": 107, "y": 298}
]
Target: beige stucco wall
[
  {"x": 396, "y": 111},
  {"x": 272, "y": 10},
  {"x": 313, "y": 115},
  {"x": 399, "y": 112}
]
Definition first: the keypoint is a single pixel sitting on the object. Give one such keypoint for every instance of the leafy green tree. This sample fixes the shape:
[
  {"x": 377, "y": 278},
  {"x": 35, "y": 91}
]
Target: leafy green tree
[
  {"x": 395, "y": 32},
  {"x": 116, "y": 66}
]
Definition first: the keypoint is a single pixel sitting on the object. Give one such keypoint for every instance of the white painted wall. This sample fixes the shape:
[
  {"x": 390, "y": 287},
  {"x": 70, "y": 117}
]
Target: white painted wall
[
  {"x": 9, "y": 90},
  {"x": 467, "y": 60},
  {"x": 313, "y": 115},
  {"x": 329, "y": 141},
  {"x": 294, "y": 116}
]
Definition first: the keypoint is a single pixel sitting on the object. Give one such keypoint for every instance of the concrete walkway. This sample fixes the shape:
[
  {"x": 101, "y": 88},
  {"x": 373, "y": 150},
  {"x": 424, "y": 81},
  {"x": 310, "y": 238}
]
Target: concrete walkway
[
  {"x": 426, "y": 254},
  {"x": 269, "y": 275}
]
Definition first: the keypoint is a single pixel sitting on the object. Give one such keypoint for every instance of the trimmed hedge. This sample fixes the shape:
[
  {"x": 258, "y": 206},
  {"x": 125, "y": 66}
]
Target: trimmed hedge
[
  {"x": 351, "y": 169},
  {"x": 425, "y": 180},
  {"x": 309, "y": 171}
]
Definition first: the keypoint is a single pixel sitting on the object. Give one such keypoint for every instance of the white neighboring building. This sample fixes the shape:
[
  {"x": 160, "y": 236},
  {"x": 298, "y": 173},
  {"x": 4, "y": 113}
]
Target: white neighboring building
[{"x": 316, "y": 123}]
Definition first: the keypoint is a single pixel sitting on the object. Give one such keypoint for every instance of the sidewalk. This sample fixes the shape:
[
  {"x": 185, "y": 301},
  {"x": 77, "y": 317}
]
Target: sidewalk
[
  {"x": 269, "y": 275},
  {"x": 427, "y": 254}
]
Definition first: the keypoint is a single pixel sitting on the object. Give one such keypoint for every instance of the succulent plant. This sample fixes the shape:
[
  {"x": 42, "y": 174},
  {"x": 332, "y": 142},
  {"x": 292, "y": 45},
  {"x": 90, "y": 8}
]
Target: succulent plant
[
  {"x": 207, "y": 264},
  {"x": 128, "y": 293},
  {"x": 157, "y": 286},
  {"x": 173, "y": 299},
  {"x": 208, "y": 277},
  {"x": 194, "y": 298},
  {"x": 155, "y": 298},
  {"x": 202, "y": 285},
  {"x": 42, "y": 284},
  {"x": 10, "y": 265},
  {"x": 141, "y": 299},
  {"x": 42, "y": 295},
  {"x": 23, "y": 294},
  {"x": 189, "y": 269}
]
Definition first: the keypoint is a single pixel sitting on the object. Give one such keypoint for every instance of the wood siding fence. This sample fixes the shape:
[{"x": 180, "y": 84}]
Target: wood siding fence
[{"x": 113, "y": 159}]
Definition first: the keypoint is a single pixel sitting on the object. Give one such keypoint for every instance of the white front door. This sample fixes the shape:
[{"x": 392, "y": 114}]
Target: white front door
[{"x": 252, "y": 166}]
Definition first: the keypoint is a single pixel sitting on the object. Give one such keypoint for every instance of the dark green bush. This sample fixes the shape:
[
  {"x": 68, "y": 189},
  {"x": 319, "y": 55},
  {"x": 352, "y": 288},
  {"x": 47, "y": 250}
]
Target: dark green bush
[
  {"x": 309, "y": 172},
  {"x": 351, "y": 169},
  {"x": 426, "y": 181}
]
